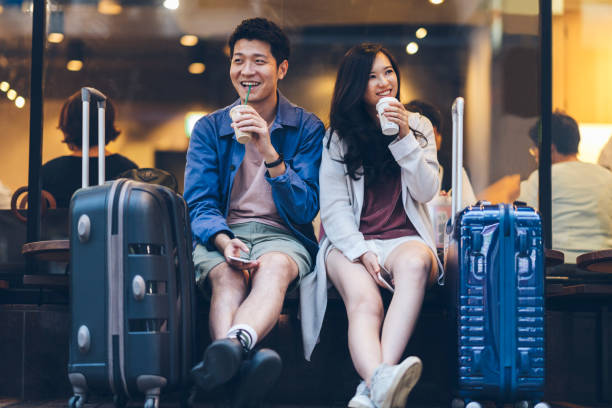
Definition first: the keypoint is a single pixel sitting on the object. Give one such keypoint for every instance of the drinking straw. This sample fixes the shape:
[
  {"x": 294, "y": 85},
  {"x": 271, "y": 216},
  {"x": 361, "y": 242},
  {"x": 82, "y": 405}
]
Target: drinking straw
[{"x": 247, "y": 96}]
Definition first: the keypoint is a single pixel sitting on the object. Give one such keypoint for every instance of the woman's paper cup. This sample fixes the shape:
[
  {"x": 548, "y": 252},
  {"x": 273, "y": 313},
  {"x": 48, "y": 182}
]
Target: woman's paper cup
[
  {"x": 388, "y": 128},
  {"x": 241, "y": 136}
]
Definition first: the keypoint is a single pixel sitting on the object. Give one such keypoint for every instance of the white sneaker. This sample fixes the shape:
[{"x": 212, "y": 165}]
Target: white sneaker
[
  {"x": 361, "y": 399},
  {"x": 390, "y": 385}
]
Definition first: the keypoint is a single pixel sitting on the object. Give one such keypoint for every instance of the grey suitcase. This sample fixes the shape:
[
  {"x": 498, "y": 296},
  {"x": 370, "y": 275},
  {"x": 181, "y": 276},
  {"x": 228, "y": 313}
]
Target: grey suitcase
[{"x": 132, "y": 286}]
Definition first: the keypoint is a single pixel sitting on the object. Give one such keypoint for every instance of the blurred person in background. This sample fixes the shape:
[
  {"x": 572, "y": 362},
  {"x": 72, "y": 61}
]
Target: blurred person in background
[
  {"x": 581, "y": 192},
  {"x": 432, "y": 113},
  {"x": 62, "y": 176}
]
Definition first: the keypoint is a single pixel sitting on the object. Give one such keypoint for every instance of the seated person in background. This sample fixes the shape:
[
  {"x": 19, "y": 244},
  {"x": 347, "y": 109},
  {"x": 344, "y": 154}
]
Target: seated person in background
[
  {"x": 605, "y": 156},
  {"x": 581, "y": 193},
  {"x": 255, "y": 200},
  {"x": 435, "y": 117},
  {"x": 5, "y": 197},
  {"x": 62, "y": 176}
]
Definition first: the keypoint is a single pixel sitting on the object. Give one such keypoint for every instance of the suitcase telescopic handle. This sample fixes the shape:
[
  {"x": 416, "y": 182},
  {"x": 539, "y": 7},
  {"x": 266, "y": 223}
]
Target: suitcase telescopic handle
[
  {"x": 457, "y": 113},
  {"x": 89, "y": 95}
]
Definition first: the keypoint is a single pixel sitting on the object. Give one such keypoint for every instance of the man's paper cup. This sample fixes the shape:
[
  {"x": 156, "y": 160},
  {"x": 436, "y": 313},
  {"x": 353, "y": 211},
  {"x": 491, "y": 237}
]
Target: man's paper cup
[
  {"x": 241, "y": 136},
  {"x": 388, "y": 128}
]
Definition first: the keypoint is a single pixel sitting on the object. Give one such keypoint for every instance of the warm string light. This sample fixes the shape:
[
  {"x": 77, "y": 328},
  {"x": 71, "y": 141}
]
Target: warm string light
[
  {"x": 171, "y": 4},
  {"x": 189, "y": 40},
  {"x": 196, "y": 68},
  {"x": 421, "y": 33},
  {"x": 412, "y": 48}
]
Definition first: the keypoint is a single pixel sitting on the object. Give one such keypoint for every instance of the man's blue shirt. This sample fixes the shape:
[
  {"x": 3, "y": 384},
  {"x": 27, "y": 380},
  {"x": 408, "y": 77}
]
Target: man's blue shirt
[{"x": 214, "y": 157}]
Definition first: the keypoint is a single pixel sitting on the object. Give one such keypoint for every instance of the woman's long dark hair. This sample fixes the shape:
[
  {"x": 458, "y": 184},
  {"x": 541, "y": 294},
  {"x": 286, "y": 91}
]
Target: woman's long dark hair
[{"x": 350, "y": 119}]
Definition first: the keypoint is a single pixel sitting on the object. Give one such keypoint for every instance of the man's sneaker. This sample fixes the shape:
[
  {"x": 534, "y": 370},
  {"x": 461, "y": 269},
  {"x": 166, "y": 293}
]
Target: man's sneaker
[
  {"x": 390, "y": 385},
  {"x": 220, "y": 364},
  {"x": 361, "y": 399},
  {"x": 257, "y": 376}
]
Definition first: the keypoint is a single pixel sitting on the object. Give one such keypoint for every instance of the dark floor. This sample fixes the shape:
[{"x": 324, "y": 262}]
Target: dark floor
[{"x": 15, "y": 403}]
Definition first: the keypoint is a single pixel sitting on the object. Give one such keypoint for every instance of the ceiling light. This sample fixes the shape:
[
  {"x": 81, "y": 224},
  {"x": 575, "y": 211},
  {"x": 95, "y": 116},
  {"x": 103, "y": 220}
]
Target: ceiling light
[
  {"x": 421, "y": 33},
  {"x": 56, "y": 27},
  {"x": 55, "y": 38},
  {"x": 75, "y": 55},
  {"x": 109, "y": 7},
  {"x": 27, "y": 6},
  {"x": 171, "y": 4},
  {"x": 189, "y": 40},
  {"x": 1, "y": 8},
  {"x": 412, "y": 48},
  {"x": 436, "y": 2},
  {"x": 11, "y": 94},
  {"x": 74, "y": 65},
  {"x": 196, "y": 68},
  {"x": 4, "y": 86},
  {"x": 226, "y": 50},
  {"x": 20, "y": 102}
]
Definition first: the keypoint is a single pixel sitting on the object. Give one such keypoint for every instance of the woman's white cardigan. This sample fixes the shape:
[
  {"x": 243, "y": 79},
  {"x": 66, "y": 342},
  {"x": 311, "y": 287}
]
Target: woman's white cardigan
[{"x": 341, "y": 203}]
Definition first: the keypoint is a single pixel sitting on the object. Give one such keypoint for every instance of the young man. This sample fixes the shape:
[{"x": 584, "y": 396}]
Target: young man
[{"x": 254, "y": 201}]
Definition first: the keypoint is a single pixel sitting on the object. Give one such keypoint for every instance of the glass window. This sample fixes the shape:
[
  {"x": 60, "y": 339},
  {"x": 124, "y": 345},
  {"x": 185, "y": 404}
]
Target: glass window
[
  {"x": 15, "y": 53},
  {"x": 581, "y": 180}
]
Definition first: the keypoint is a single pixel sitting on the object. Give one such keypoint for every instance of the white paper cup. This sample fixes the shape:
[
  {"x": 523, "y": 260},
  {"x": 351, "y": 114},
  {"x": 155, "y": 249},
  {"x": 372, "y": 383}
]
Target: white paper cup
[
  {"x": 388, "y": 128},
  {"x": 241, "y": 136}
]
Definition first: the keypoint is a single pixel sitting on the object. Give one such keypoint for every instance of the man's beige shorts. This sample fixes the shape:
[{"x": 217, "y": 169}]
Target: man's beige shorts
[{"x": 260, "y": 239}]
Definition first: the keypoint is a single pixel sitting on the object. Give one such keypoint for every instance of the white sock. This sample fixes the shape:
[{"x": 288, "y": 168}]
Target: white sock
[{"x": 245, "y": 334}]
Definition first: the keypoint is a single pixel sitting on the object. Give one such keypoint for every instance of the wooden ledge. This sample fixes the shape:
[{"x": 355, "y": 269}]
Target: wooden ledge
[
  {"x": 53, "y": 250},
  {"x": 596, "y": 261}
]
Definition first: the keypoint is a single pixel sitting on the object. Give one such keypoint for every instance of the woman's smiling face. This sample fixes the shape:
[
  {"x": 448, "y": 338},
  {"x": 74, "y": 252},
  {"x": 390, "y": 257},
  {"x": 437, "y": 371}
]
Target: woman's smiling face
[{"x": 382, "y": 81}]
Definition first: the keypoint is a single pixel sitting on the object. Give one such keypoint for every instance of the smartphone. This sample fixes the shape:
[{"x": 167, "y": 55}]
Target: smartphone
[
  {"x": 243, "y": 261},
  {"x": 385, "y": 277}
]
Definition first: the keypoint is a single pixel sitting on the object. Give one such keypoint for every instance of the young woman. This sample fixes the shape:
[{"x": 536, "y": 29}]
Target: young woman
[{"x": 373, "y": 194}]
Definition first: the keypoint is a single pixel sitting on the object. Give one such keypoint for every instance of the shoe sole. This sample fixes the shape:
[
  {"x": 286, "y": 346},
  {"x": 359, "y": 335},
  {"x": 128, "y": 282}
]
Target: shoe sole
[
  {"x": 258, "y": 381},
  {"x": 355, "y": 403},
  {"x": 408, "y": 376},
  {"x": 220, "y": 364}
]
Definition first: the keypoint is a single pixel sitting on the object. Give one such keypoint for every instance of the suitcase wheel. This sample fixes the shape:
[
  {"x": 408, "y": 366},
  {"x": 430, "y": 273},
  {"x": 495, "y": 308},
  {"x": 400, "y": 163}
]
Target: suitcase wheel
[
  {"x": 541, "y": 405},
  {"x": 152, "y": 402},
  {"x": 119, "y": 401},
  {"x": 457, "y": 403},
  {"x": 522, "y": 404},
  {"x": 77, "y": 401},
  {"x": 473, "y": 404}
]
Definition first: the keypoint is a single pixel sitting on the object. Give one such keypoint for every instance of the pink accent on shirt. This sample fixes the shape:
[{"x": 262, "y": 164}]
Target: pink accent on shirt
[
  {"x": 383, "y": 215},
  {"x": 251, "y": 196}
]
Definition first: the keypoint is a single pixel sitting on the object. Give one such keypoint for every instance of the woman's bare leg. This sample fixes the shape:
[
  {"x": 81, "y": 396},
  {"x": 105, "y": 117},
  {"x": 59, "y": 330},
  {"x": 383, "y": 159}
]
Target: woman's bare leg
[{"x": 364, "y": 309}]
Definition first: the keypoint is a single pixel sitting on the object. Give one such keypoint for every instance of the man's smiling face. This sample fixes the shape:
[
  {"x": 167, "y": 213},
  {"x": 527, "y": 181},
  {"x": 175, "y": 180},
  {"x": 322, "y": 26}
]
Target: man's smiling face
[{"x": 253, "y": 64}]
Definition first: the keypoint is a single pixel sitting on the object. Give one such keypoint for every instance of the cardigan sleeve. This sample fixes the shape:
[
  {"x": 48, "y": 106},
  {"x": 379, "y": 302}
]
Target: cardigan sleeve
[
  {"x": 337, "y": 216},
  {"x": 417, "y": 156}
]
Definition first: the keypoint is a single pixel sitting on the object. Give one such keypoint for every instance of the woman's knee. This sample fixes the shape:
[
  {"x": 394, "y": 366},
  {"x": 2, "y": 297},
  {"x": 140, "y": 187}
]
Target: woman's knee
[
  {"x": 365, "y": 304},
  {"x": 415, "y": 267}
]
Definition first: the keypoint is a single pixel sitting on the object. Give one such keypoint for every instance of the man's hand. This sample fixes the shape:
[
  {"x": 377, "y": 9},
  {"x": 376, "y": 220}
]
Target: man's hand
[
  {"x": 251, "y": 121},
  {"x": 232, "y": 247},
  {"x": 370, "y": 261}
]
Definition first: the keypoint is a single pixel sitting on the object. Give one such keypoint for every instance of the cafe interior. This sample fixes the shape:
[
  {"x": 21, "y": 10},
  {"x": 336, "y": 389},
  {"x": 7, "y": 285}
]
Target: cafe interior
[{"x": 165, "y": 63}]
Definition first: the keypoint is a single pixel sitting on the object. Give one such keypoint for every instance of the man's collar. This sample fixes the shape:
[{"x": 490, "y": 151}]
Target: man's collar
[{"x": 286, "y": 115}]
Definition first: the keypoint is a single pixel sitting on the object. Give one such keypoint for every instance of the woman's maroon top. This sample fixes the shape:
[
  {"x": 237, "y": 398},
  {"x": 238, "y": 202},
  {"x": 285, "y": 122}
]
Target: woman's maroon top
[{"x": 383, "y": 215}]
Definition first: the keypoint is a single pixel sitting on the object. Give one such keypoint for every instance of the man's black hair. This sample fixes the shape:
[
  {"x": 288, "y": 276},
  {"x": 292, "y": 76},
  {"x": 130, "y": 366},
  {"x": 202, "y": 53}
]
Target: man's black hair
[
  {"x": 263, "y": 30},
  {"x": 428, "y": 110},
  {"x": 564, "y": 133}
]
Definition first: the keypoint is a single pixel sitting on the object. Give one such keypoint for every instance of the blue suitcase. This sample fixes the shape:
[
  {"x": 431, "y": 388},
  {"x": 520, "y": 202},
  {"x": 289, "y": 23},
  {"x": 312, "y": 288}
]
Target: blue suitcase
[
  {"x": 494, "y": 264},
  {"x": 132, "y": 289}
]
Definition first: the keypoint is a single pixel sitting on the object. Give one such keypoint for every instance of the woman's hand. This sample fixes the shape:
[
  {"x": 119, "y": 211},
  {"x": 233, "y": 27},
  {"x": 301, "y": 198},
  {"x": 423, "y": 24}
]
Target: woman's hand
[
  {"x": 370, "y": 262},
  {"x": 397, "y": 113}
]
